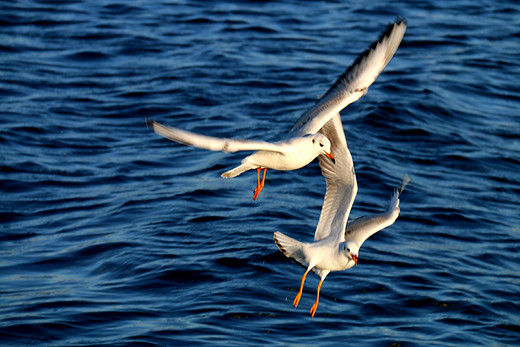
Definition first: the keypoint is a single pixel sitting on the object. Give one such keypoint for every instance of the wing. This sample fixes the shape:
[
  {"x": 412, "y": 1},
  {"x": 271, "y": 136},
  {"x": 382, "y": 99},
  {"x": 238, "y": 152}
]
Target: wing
[
  {"x": 354, "y": 82},
  {"x": 341, "y": 183},
  {"x": 360, "y": 229},
  {"x": 210, "y": 143}
]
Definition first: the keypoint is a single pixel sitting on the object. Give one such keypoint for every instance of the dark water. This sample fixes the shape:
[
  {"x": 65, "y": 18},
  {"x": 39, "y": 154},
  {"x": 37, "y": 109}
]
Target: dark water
[{"x": 112, "y": 235}]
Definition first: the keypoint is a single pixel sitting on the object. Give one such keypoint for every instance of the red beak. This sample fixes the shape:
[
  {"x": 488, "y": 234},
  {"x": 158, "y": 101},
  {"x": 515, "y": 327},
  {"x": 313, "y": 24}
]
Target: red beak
[
  {"x": 331, "y": 157},
  {"x": 354, "y": 258}
]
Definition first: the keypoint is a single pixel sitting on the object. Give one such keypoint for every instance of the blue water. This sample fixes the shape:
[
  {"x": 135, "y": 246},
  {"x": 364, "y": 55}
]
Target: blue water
[{"x": 112, "y": 235}]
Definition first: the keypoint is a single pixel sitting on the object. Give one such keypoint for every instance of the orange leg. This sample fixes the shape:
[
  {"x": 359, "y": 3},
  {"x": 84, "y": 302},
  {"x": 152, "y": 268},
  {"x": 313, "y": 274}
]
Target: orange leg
[
  {"x": 315, "y": 306},
  {"x": 259, "y": 185},
  {"x": 299, "y": 295}
]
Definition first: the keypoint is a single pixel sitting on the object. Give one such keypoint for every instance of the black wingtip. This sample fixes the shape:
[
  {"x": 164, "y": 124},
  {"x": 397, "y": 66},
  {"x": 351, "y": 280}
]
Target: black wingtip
[
  {"x": 149, "y": 123},
  {"x": 401, "y": 20}
]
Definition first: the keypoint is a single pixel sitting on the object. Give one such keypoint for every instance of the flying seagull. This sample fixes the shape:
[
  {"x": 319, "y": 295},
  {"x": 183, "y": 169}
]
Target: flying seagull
[
  {"x": 304, "y": 142},
  {"x": 336, "y": 243}
]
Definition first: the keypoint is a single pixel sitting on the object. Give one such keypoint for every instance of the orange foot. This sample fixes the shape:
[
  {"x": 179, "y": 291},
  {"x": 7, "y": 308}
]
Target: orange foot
[
  {"x": 260, "y": 185},
  {"x": 299, "y": 295},
  {"x": 315, "y": 306},
  {"x": 297, "y": 299}
]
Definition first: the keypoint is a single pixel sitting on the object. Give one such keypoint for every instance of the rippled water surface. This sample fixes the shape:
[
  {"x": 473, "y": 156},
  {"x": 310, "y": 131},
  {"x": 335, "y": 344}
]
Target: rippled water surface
[{"x": 112, "y": 235}]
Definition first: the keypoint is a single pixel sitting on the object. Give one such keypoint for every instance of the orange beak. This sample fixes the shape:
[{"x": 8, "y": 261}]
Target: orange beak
[
  {"x": 331, "y": 157},
  {"x": 354, "y": 258}
]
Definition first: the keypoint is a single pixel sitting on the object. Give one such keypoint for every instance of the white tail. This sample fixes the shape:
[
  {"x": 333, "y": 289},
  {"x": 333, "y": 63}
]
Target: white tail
[{"x": 245, "y": 166}]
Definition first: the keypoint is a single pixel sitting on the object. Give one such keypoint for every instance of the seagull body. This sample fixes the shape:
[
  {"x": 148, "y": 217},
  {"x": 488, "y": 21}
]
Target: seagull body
[
  {"x": 336, "y": 243},
  {"x": 293, "y": 154},
  {"x": 305, "y": 141}
]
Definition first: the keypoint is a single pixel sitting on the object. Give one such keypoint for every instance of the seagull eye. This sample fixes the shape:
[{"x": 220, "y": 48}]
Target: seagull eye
[
  {"x": 313, "y": 141},
  {"x": 348, "y": 250},
  {"x": 321, "y": 144}
]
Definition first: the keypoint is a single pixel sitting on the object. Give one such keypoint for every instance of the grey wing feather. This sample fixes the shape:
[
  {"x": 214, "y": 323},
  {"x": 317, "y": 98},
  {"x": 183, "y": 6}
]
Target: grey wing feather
[
  {"x": 210, "y": 143},
  {"x": 354, "y": 82},
  {"x": 341, "y": 182}
]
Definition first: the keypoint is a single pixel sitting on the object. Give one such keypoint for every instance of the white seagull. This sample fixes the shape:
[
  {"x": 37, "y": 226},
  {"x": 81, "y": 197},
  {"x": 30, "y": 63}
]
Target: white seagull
[
  {"x": 336, "y": 243},
  {"x": 289, "y": 154},
  {"x": 303, "y": 143}
]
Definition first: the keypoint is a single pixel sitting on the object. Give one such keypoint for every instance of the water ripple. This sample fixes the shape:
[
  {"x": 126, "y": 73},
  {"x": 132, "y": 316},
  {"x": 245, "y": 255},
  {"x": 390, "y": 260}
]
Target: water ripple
[{"x": 110, "y": 234}]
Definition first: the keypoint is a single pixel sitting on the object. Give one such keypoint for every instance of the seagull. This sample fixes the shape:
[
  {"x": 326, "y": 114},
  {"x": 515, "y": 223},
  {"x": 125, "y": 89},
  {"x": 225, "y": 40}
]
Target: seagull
[
  {"x": 288, "y": 154},
  {"x": 336, "y": 243},
  {"x": 304, "y": 142}
]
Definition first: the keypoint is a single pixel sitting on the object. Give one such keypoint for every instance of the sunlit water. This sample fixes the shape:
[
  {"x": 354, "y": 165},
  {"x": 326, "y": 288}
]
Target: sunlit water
[{"x": 112, "y": 235}]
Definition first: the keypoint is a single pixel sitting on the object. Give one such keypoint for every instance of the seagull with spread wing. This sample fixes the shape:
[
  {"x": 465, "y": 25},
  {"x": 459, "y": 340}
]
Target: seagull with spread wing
[
  {"x": 336, "y": 243},
  {"x": 289, "y": 154},
  {"x": 304, "y": 142}
]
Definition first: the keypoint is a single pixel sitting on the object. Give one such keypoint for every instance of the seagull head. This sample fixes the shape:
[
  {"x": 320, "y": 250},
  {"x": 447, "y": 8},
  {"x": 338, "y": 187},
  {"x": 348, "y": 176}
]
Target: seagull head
[
  {"x": 351, "y": 249},
  {"x": 322, "y": 145}
]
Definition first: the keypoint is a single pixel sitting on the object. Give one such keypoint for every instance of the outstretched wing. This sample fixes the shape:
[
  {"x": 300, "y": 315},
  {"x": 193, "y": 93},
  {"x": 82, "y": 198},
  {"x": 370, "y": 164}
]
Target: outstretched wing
[
  {"x": 209, "y": 142},
  {"x": 354, "y": 82},
  {"x": 360, "y": 229},
  {"x": 341, "y": 182}
]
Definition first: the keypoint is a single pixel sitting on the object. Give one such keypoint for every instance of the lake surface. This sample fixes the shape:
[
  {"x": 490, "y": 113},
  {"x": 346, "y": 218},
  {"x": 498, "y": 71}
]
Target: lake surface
[{"x": 112, "y": 235}]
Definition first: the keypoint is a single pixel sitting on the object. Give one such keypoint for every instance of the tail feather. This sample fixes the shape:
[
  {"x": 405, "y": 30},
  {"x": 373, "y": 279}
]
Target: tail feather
[
  {"x": 238, "y": 170},
  {"x": 292, "y": 248}
]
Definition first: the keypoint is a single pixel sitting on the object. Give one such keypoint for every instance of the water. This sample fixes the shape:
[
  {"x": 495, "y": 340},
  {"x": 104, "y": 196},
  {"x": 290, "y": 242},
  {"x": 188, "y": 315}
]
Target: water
[{"x": 111, "y": 235}]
